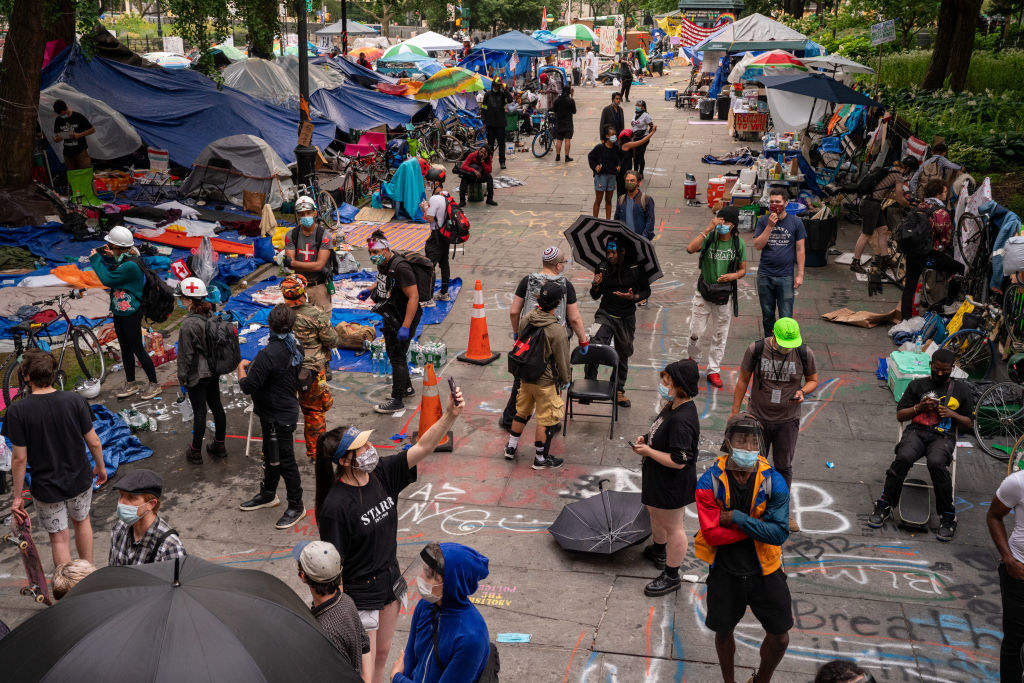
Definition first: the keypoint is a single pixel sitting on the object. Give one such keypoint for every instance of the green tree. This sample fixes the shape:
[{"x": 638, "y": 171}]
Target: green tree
[
  {"x": 202, "y": 23},
  {"x": 910, "y": 15},
  {"x": 262, "y": 23}
]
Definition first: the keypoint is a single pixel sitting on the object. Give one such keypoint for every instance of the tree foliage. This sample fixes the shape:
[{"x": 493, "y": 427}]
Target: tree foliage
[
  {"x": 262, "y": 23},
  {"x": 202, "y": 23}
]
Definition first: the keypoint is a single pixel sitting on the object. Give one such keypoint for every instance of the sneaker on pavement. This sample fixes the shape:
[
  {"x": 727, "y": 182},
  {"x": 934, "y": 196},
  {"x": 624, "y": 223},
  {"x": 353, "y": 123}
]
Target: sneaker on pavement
[
  {"x": 290, "y": 518},
  {"x": 428, "y": 304},
  {"x": 656, "y": 558},
  {"x": 510, "y": 453},
  {"x": 882, "y": 512},
  {"x": 568, "y": 158},
  {"x": 410, "y": 391},
  {"x": 216, "y": 449},
  {"x": 548, "y": 463},
  {"x": 715, "y": 379},
  {"x": 392, "y": 405},
  {"x": 151, "y": 390},
  {"x": 502, "y": 165},
  {"x": 947, "y": 530},
  {"x": 260, "y": 500},
  {"x": 856, "y": 266},
  {"x": 793, "y": 526},
  {"x": 194, "y": 455},
  {"x": 443, "y": 297},
  {"x": 622, "y": 399},
  {"x": 662, "y": 585},
  {"x": 128, "y": 389}
]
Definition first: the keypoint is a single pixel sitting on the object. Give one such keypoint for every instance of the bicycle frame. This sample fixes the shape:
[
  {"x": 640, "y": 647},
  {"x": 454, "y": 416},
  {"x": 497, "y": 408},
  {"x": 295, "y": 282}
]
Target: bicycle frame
[{"x": 34, "y": 335}]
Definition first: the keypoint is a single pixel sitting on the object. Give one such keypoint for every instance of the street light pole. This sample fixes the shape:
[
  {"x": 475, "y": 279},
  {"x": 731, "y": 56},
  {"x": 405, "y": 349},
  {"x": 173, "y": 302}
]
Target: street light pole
[
  {"x": 344, "y": 28},
  {"x": 159, "y": 26},
  {"x": 305, "y": 155}
]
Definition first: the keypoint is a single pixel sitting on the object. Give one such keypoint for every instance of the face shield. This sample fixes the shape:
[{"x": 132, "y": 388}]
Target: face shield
[
  {"x": 744, "y": 443},
  {"x": 424, "y": 574}
]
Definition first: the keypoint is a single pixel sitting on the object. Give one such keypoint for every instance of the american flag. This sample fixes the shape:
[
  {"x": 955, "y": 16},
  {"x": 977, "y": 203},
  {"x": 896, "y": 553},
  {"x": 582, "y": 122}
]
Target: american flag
[{"x": 692, "y": 34}]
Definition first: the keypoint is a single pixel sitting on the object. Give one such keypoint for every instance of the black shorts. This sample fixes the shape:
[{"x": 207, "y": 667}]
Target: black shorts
[
  {"x": 563, "y": 133},
  {"x": 871, "y": 215},
  {"x": 729, "y": 596}
]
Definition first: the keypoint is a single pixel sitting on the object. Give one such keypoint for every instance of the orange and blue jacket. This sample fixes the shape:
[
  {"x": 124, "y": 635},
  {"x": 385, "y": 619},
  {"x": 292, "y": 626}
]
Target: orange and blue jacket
[{"x": 767, "y": 521}]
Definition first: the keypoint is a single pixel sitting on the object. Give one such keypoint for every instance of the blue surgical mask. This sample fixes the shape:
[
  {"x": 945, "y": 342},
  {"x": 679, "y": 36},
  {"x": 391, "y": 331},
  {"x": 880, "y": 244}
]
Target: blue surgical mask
[
  {"x": 613, "y": 138},
  {"x": 663, "y": 390},
  {"x": 638, "y": 110},
  {"x": 307, "y": 221},
  {"x": 744, "y": 459},
  {"x": 129, "y": 514},
  {"x": 376, "y": 259},
  {"x": 723, "y": 229}
]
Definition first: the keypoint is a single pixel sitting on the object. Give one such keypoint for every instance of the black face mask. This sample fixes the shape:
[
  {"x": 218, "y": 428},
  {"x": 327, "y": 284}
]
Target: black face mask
[{"x": 940, "y": 377}]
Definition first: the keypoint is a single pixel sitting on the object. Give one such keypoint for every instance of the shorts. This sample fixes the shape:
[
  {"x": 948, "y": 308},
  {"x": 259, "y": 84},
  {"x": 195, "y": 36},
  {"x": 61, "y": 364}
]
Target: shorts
[
  {"x": 53, "y": 517},
  {"x": 563, "y": 133},
  {"x": 370, "y": 619},
  {"x": 604, "y": 182},
  {"x": 546, "y": 400},
  {"x": 870, "y": 215},
  {"x": 729, "y": 596}
]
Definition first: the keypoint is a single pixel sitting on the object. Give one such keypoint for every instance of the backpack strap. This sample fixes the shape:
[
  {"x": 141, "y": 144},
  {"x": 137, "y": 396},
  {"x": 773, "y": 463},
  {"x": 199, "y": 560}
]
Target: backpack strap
[{"x": 151, "y": 557}]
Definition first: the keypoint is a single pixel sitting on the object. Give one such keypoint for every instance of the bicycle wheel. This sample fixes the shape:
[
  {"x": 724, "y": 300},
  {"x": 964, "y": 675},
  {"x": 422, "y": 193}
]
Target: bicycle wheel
[
  {"x": 88, "y": 353},
  {"x": 999, "y": 419},
  {"x": 1013, "y": 313},
  {"x": 971, "y": 236},
  {"x": 11, "y": 393},
  {"x": 327, "y": 209},
  {"x": 973, "y": 351},
  {"x": 541, "y": 143},
  {"x": 1016, "y": 461},
  {"x": 349, "y": 191},
  {"x": 451, "y": 148}
]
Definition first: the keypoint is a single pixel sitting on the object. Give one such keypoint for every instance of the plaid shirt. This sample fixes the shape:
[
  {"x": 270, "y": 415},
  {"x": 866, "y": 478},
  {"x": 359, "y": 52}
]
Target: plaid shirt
[{"x": 124, "y": 550}]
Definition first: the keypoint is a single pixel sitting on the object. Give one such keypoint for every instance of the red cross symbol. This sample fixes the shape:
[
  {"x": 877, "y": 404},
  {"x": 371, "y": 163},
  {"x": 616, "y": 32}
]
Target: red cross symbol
[
  {"x": 307, "y": 253},
  {"x": 191, "y": 287}
]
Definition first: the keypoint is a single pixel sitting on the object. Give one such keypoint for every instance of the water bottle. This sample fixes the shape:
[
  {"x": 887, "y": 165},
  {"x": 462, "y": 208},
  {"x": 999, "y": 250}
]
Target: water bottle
[
  {"x": 184, "y": 405},
  {"x": 917, "y": 343}
]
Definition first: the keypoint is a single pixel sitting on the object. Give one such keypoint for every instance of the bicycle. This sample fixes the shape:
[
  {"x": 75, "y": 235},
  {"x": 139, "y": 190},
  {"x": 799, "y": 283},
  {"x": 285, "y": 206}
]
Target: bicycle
[
  {"x": 326, "y": 206},
  {"x": 974, "y": 246},
  {"x": 544, "y": 138},
  {"x": 81, "y": 339},
  {"x": 973, "y": 345}
]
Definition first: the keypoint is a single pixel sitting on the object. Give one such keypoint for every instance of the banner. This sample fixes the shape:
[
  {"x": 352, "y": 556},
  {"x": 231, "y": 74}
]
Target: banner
[
  {"x": 606, "y": 40},
  {"x": 543, "y": 18}
]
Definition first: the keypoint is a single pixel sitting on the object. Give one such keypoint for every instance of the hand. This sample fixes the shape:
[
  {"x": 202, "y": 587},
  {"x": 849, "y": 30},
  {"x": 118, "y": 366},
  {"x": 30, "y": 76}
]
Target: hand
[
  {"x": 641, "y": 440},
  {"x": 640, "y": 448},
  {"x": 101, "y": 474},
  {"x": 1014, "y": 568},
  {"x": 773, "y": 218},
  {"x": 598, "y": 168},
  {"x": 585, "y": 346},
  {"x": 926, "y": 404},
  {"x": 797, "y": 281},
  {"x": 18, "y": 507},
  {"x": 399, "y": 665},
  {"x": 628, "y": 294},
  {"x": 403, "y": 333},
  {"x": 725, "y": 518},
  {"x": 798, "y": 397},
  {"x": 598, "y": 277},
  {"x": 364, "y": 294},
  {"x": 944, "y": 411},
  {"x": 243, "y": 366},
  {"x": 57, "y": 138},
  {"x": 477, "y": 174},
  {"x": 455, "y": 408},
  {"x": 286, "y": 261},
  {"x": 727, "y": 277}
]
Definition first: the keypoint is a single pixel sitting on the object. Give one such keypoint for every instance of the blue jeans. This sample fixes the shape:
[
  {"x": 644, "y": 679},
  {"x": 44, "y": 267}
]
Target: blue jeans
[{"x": 774, "y": 290}]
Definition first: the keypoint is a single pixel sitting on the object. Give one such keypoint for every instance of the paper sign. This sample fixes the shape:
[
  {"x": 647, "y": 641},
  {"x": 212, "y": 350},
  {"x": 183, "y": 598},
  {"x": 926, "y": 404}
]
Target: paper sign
[
  {"x": 174, "y": 45},
  {"x": 513, "y": 638},
  {"x": 305, "y": 133},
  {"x": 884, "y": 32}
]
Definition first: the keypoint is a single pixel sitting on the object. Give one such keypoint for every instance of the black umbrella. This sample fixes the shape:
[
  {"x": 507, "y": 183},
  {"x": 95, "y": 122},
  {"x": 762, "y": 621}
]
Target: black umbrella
[
  {"x": 155, "y": 623},
  {"x": 588, "y": 236},
  {"x": 820, "y": 87},
  {"x": 605, "y": 523}
]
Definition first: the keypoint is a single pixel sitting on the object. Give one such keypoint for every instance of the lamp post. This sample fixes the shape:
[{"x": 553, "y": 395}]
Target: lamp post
[
  {"x": 159, "y": 26},
  {"x": 305, "y": 155},
  {"x": 344, "y": 28}
]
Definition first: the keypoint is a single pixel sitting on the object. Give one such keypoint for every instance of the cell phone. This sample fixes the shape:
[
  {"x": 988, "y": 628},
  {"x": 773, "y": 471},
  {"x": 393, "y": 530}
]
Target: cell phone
[{"x": 451, "y": 386}]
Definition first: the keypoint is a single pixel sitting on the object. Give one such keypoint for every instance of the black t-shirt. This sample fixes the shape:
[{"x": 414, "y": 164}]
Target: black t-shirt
[
  {"x": 65, "y": 126},
  {"x": 676, "y": 432},
  {"x": 51, "y": 427},
  {"x": 739, "y": 558},
  {"x": 397, "y": 274},
  {"x": 947, "y": 389},
  {"x": 362, "y": 523}
]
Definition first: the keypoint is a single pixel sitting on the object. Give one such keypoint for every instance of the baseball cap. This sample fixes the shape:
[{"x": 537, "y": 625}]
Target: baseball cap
[
  {"x": 787, "y": 333},
  {"x": 293, "y": 287},
  {"x": 550, "y": 295},
  {"x": 685, "y": 374},
  {"x": 320, "y": 560},
  {"x": 141, "y": 481}
]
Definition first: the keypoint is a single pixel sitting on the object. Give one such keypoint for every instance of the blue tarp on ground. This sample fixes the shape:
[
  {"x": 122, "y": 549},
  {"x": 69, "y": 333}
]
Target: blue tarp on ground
[
  {"x": 515, "y": 41},
  {"x": 180, "y": 111},
  {"x": 352, "y": 107}
]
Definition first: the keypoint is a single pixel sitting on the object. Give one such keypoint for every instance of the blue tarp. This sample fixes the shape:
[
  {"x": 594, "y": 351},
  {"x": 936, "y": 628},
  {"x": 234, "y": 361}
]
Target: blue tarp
[
  {"x": 180, "y": 111},
  {"x": 353, "y": 107},
  {"x": 549, "y": 38},
  {"x": 360, "y": 74},
  {"x": 515, "y": 41}
]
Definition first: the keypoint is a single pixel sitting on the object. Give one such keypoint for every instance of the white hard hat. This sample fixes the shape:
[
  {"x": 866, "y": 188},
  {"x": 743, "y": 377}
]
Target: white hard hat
[
  {"x": 193, "y": 288},
  {"x": 89, "y": 388},
  {"x": 120, "y": 236},
  {"x": 304, "y": 203}
]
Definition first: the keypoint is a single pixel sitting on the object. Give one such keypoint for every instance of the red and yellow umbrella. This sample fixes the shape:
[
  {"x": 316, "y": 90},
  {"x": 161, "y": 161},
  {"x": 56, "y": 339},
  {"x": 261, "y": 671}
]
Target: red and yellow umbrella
[
  {"x": 773, "y": 63},
  {"x": 371, "y": 53}
]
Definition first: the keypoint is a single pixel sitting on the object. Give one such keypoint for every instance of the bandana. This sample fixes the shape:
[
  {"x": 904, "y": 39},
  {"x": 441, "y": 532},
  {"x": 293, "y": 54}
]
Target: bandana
[
  {"x": 293, "y": 287},
  {"x": 612, "y": 245},
  {"x": 376, "y": 243},
  {"x": 293, "y": 347}
]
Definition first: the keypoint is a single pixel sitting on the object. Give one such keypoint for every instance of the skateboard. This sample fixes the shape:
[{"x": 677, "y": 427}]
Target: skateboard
[
  {"x": 915, "y": 506},
  {"x": 21, "y": 536}
]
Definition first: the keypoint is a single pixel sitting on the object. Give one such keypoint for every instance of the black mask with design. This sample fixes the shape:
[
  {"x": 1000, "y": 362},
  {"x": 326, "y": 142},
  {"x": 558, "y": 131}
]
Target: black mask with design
[{"x": 940, "y": 377}]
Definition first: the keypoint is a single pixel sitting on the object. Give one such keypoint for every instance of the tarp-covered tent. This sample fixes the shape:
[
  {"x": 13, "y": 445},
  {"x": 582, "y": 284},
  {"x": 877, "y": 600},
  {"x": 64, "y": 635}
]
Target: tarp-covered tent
[
  {"x": 755, "y": 33},
  {"x": 359, "y": 74},
  {"x": 105, "y": 45},
  {"x": 337, "y": 28},
  {"x": 321, "y": 75},
  {"x": 353, "y": 107},
  {"x": 254, "y": 167},
  {"x": 114, "y": 136},
  {"x": 515, "y": 41},
  {"x": 434, "y": 42},
  {"x": 263, "y": 79},
  {"x": 486, "y": 62},
  {"x": 181, "y": 111}
]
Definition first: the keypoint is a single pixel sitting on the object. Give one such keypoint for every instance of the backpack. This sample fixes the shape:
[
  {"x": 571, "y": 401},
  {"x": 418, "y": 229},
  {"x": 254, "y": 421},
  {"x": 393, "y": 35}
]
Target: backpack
[
  {"x": 423, "y": 269},
  {"x": 931, "y": 170},
  {"x": 526, "y": 360},
  {"x": 222, "y": 344},
  {"x": 866, "y": 185},
  {"x": 157, "y": 296},
  {"x": 718, "y": 292},
  {"x": 534, "y": 281},
  {"x": 333, "y": 266},
  {"x": 455, "y": 228},
  {"x": 397, "y": 151},
  {"x": 755, "y": 358},
  {"x": 914, "y": 235}
]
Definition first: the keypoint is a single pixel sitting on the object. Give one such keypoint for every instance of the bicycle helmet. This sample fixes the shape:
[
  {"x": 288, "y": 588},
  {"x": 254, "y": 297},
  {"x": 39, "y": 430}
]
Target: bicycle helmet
[
  {"x": 436, "y": 174},
  {"x": 304, "y": 203},
  {"x": 88, "y": 388},
  {"x": 120, "y": 236}
]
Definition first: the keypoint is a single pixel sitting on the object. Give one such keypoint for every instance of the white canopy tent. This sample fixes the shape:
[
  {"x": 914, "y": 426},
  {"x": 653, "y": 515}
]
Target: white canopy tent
[{"x": 433, "y": 42}]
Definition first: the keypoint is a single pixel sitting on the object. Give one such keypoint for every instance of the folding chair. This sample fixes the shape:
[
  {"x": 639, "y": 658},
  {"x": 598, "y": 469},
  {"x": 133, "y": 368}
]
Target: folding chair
[
  {"x": 593, "y": 390},
  {"x": 221, "y": 170},
  {"x": 925, "y": 480}
]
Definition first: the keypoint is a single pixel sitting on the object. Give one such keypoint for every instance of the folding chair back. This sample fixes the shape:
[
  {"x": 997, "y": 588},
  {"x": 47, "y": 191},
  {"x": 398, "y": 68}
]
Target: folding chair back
[{"x": 593, "y": 390}]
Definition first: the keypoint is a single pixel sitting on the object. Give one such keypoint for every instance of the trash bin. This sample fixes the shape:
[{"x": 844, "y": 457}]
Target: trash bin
[
  {"x": 475, "y": 191},
  {"x": 821, "y": 234},
  {"x": 707, "y": 109},
  {"x": 724, "y": 102}
]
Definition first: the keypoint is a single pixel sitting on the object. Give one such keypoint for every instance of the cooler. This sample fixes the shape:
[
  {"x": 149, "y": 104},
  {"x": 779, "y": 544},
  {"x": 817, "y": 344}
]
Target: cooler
[
  {"x": 689, "y": 188},
  {"x": 670, "y": 94},
  {"x": 716, "y": 190},
  {"x": 904, "y": 367}
]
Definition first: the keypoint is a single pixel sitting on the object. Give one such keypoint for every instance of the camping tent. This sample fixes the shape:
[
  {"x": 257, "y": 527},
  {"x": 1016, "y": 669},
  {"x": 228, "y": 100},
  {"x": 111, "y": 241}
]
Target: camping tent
[
  {"x": 514, "y": 41},
  {"x": 434, "y": 42},
  {"x": 320, "y": 74},
  {"x": 263, "y": 79},
  {"x": 755, "y": 33},
  {"x": 114, "y": 136},
  {"x": 354, "y": 29},
  {"x": 254, "y": 167},
  {"x": 359, "y": 74}
]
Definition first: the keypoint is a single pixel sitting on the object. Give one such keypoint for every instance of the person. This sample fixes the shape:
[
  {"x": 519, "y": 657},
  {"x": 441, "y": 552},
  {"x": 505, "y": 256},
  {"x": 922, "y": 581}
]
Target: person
[
  {"x": 313, "y": 331},
  {"x": 116, "y": 268},
  {"x": 364, "y": 62},
  {"x": 71, "y": 128},
  {"x": 356, "y": 496},
  {"x": 320, "y": 569},
  {"x": 625, "y": 76},
  {"x": 779, "y": 237},
  {"x": 590, "y": 65},
  {"x": 627, "y": 143},
  {"x": 577, "y": 69},
  {"x": 436, "y": 247},
  {"x": 743, "y": 508},
  {"x": 635, "y": 208},
  {"x": 669, "y": 472},
  {"x": 723, "y": 259},
  {"x": 47, "y": 429},
  {"x": 140, "y": 535},
  {"x": 493, "y": 115},
  {"x": 940, "y": 257},
  {"x": 477, "y": 166},
  {"x": 784, "y": 373},
  {"x": 937, "y": 166},
  {"x": 612, "y": 116},
  {"x": 604, "y": 162},
  {"x": 272, "y": 381},
  {"x": 543, "y": 396},
  {"x": 874, "y": 222},
  {"x": 842, "y": 671},
  {"x": 553, "y": 263},
  {"x": 1009, "y": 497},
  {"x": 196, "y": 375},
  {"x": 466, "y": 49},
  {"x": 641, "y": 123},
  {"x": 937, "y": 407},
  {"x": 564, "y": 108},
  {"x": 448, "y": 637},
  {"x": 306, "y": 251},
  {"x": 619, "y": 283},
  {"x": 67, "y": 575}
]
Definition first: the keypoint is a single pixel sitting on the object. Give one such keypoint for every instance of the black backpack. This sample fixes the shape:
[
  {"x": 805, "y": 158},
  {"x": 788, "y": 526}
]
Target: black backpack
[
  {"x": 423, "y": 269},
  {"x": 914, "y": 236},
  {"x": 222, "y": 344},
  {"x": 866, "y": 185},
  {"x": 157, "y": 295},
  {"x": 526, "y": 360}
]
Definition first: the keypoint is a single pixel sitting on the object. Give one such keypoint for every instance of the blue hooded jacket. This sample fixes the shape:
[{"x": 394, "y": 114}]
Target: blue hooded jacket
[
  {"x": 463, "y": 641},
  {"x": 1004, "y": 224}
]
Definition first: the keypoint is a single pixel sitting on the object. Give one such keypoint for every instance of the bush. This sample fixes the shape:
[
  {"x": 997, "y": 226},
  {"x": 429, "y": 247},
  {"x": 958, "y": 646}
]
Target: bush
[
  {"x": 975, "y": 159},
  {"x": 995, "y": 71},
  {"x": 133, "y": 24}
]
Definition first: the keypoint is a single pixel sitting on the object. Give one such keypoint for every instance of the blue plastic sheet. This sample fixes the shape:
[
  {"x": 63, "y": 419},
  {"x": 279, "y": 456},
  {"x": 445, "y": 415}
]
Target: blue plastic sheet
[{"x": 353, "y": 107}]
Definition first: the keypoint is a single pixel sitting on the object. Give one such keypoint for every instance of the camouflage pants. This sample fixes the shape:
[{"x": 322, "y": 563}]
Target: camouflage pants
[{"x": 315, "y": 403}]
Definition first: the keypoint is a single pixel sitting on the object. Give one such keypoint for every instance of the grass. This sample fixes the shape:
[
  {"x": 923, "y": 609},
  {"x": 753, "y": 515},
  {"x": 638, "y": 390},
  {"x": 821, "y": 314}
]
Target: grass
[{"x": 995, "y": 71}]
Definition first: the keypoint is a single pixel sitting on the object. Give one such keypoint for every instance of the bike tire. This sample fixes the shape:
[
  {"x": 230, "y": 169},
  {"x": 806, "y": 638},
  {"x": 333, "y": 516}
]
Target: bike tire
[
  {"x": 451, "y": 148},
  {"x": 999, "y": 419},
  {"x": 544, "y": 138},
  {"x": 327, "y": 209},
  {"x": 974, "y": 352},
  {"x": 88, "y": 353},
  {"x": 1013, "y": 313},
  {"x": 970, "y": 242},
  {"x": 9, "y": 367},
  {"x": 349, "y": 192}
]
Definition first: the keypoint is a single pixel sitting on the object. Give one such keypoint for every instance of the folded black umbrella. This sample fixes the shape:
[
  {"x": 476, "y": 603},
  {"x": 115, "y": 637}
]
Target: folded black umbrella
[
  {"x": 588, "y": 236},
  {"x": 153, "y": 622},
  {"x": 605, "y": 523}
]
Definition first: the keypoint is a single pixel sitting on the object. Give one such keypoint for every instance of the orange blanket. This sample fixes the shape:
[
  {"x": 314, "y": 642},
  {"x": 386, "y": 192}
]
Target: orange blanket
[{"x": 179, "y": 241}]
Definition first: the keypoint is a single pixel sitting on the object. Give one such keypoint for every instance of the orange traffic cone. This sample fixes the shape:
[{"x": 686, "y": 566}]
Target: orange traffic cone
[
  {"x": 430, "y": 411},
  {"x": 479, "y": 351}
]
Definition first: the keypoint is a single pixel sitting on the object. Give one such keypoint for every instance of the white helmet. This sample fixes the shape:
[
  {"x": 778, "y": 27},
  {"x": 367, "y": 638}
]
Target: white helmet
[
  {"x": 88, "y": 388},
  {"x": 193, "y": 288},
  {"x": 304, "y": 203},
  {"x": 120, "y": 236}
]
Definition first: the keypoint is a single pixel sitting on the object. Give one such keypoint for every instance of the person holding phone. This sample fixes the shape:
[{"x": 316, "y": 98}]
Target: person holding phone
[{"x": 780, "y": 239}]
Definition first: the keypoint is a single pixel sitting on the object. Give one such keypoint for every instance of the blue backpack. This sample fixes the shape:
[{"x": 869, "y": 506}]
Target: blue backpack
[{"x": 397, "y": 152}]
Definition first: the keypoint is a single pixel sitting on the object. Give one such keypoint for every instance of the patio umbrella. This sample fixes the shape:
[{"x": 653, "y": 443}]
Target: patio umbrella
[
  {"x": 776, "y": 62},
  {"x": 605, "y": 523},
  {"x": 167, "y": 60},
  {"x": 450, "y": 81},
  {"x": 576, "y": 32},
  {"x": 372, "y": 53},
  {"x": 838, "y": 63},
  {"x": 199, "y": 622},
  {"x": 820, "y": 87},
  {"x": 404, "y": 53},
  {"x": 588, "y": 236}
]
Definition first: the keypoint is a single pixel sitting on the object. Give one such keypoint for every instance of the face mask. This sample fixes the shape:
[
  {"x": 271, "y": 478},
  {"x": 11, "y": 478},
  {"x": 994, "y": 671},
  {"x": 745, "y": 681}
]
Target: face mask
[
  {"x": 121, "y": 257},
  {"x": 613, "y": 138},
  {"x": 129, "y": 514},
  {"x": 744, "y": 459},
  {"x": 426, "y": 590},
  {"x": 723, "y": 229},
  {"x": 630, "y": 186},
  {"x": 307, "y": 221},
  {"x": 377, "y": 259},
  {"x": 367, "y": 460},
  {"x": 638, "y": 110},
  {"x": 663, "y": 390},
  {"x": 940, "y": 376}
]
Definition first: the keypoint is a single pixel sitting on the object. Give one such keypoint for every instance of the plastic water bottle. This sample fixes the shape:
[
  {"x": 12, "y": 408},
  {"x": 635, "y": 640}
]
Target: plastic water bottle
[{"x": 917, "y": 343}]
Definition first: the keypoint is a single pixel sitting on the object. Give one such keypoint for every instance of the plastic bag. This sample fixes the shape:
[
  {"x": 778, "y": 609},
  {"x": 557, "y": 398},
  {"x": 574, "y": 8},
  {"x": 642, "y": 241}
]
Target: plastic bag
[
  {"x": 5, "y": 455},
  {"x": 204, "y": 261},
  {"x": 1013, "y": 255}
]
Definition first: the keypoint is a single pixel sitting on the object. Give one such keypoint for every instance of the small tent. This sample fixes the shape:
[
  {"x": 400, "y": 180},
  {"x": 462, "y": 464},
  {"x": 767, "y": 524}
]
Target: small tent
[
  {"x": 114, "y": 137},
  {"x": 228, "y": 167},
  {"x": 264, "y": 80},
  {"x": 354, "y": 29},
  {"x": 516, "y": 41},
  {"x": 755, "y": 33}
]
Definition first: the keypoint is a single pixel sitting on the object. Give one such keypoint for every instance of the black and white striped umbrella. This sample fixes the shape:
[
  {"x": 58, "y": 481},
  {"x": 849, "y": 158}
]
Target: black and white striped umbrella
[{"x": 589, "y": 235}]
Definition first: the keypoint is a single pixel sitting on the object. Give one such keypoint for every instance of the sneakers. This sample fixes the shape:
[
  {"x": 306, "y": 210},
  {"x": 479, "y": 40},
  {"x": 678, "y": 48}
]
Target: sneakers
[
  {"x": 260, "y": 500},
  {"x": 856, "y": 266},
  {"x": 410, "y": 391},
  {"x": 882, "y": 512},
  {"x": 392, "y": 405},
  {"x": 663, "y": 585},
  {"x": 462, "y": 202},
  {"x": 194, "y": 455},
  {"x": 548, "y": 463},
  {"x": 128, "y": 389},
  {"x": 428, "y": 304},
  {"x": 793, "y": 526},
  {"x": 290, "y": 518},
  {"x": 622, "y": 400},
  {"x": 656, "y": 558},
  {"x": 217, "y": 450},
  {"x": 151, "y": 390},
  {"x": 502, "y": 163},
  {"x": 947, "y": 529},
  {"x": 558, "y": 157},
  {"x": 491, "y": 202},
  {"x": 715, "y": 380},
  {"x": 443, "y": 297},
  {"x": 510, "y": 453}
]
